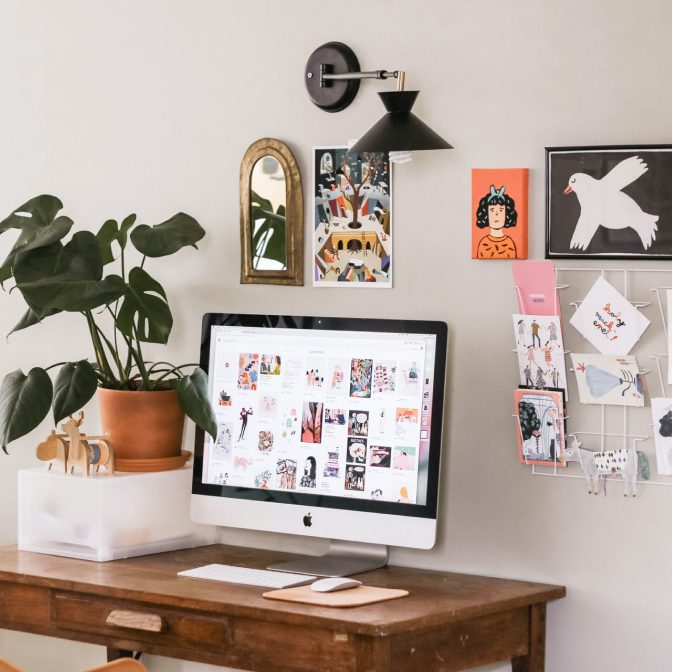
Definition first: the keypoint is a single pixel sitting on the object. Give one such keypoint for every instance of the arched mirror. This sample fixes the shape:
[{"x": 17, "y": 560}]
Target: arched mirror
[{"x": 272, "y": 217}]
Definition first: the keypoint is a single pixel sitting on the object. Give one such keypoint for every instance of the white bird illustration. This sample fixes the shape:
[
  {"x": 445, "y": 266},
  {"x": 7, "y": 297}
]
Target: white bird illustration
[{"x": 603, "y": 203}]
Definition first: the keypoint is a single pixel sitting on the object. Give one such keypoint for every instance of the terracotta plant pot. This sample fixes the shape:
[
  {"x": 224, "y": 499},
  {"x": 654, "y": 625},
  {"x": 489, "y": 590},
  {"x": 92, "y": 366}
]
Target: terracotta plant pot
[{"x": 142, "y": 425}]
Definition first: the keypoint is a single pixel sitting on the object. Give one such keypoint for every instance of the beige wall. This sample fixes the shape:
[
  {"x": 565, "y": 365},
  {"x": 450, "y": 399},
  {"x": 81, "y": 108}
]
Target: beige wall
[{"x": 148, "y": 106}]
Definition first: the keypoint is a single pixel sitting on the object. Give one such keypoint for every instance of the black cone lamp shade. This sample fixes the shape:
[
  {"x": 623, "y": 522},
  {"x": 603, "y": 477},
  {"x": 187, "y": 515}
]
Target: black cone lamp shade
[{"x": 399, "y": 130}]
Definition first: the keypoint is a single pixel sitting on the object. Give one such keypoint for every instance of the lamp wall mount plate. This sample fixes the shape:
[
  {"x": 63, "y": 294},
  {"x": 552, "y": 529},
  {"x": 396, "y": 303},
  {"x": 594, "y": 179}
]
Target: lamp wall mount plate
[{"x": 332, "y": 76}]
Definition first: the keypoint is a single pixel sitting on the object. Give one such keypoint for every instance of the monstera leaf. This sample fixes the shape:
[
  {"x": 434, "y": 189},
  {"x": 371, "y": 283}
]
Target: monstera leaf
[
  {"x": 193, "y": 397},
  {"x": 38, "y": 225},
  {"x": 38, "y": 212},
  {"x": 112, "y": 232},
  {"x": 24, "y": 403},
  {"x": 32, "y": 316},
  {"x": 168, "y": 237},
  {"x": 75, "y": 384},
  {"x": 67, "y": 277},
  {"x": 144, "y": 309},
  {"x": 106, "y": 235}
]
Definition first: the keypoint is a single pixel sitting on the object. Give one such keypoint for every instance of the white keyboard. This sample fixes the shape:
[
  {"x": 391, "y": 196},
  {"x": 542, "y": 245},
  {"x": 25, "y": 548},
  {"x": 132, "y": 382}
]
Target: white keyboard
[{"x": 246, "y": 575}]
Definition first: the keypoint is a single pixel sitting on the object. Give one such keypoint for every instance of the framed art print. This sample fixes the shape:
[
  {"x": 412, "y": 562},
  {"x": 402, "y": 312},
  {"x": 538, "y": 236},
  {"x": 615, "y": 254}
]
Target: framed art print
[
  {"x": 352, "y": 222},
  {"x": 500, "y": 213},
  {"x": 608, "y": 202}
]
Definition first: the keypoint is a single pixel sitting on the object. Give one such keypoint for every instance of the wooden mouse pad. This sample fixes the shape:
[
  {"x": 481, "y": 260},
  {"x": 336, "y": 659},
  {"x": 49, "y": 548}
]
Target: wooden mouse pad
[{"x": 353, "y": 597}]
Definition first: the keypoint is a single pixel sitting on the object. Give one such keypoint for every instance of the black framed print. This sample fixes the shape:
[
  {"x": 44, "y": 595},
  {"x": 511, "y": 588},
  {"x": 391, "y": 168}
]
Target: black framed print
[{"x": 608, "y": 202}]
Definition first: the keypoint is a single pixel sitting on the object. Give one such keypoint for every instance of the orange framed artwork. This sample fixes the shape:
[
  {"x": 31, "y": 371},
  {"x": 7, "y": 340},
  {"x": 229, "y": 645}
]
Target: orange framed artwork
[{"x": 500, "y": 213}]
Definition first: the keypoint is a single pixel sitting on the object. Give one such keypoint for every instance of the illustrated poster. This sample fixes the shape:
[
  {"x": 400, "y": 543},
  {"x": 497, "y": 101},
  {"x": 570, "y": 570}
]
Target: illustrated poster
[{"x": 352, "y": 219}]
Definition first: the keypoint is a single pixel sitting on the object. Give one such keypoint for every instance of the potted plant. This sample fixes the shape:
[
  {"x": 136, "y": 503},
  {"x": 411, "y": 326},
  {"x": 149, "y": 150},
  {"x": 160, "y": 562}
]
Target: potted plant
[{"x": 121, "y": 312}]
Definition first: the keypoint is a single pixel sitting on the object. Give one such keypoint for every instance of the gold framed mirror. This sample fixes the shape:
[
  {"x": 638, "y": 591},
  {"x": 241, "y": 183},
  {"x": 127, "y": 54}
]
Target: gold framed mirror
[{"x": 272, "y": 215}]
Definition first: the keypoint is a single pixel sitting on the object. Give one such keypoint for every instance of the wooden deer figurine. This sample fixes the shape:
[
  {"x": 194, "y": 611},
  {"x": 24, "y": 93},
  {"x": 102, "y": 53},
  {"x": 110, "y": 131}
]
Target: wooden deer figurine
[{"x": 87, "y": 451}]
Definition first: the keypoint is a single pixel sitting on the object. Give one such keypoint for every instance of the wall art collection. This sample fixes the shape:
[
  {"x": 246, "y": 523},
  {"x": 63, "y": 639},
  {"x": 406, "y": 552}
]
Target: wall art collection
[
  {"x": 609, "y": 202},
  {"x": 605, "y": 202}
]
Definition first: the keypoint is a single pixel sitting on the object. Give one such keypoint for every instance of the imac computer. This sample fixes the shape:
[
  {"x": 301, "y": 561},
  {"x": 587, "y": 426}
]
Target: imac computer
[{"x": 328, "y": 427}]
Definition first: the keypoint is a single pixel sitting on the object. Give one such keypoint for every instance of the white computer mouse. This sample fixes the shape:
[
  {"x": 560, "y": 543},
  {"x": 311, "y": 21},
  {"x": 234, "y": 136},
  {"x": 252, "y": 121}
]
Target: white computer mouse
[{"x": 334, "y": 583}]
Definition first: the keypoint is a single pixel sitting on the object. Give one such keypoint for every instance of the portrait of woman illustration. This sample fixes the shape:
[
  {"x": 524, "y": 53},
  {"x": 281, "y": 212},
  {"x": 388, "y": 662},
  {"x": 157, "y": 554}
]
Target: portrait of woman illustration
[{"x": 496, "y": 212}]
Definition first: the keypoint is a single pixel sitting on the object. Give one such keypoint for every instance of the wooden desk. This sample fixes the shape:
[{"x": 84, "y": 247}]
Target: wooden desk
[{"x": 448, "y": 622}]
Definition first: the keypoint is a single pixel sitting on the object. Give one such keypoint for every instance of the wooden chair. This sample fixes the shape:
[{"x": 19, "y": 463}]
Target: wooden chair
[
  {"x": 120, "y": 665},
  {"x": 6, "y": 667}
]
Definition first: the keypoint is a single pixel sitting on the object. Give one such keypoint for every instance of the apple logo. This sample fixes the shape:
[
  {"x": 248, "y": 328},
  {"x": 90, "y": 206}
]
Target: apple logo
[{"x": 307, "y": 520}]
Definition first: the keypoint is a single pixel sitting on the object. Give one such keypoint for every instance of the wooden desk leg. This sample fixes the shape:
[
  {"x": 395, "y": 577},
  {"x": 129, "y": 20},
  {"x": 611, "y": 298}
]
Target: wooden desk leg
[
  {"x": 373, "y": 654},
  {"x": 534, "y": 661},
  {"x": 115, "y": 654}
]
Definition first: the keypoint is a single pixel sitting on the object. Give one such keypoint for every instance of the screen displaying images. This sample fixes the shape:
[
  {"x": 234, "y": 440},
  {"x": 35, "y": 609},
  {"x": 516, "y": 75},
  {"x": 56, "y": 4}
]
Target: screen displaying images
[{"x": 337, "y": 413}]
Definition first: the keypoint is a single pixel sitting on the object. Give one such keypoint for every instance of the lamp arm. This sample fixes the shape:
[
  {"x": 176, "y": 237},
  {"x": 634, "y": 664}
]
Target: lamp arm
[{"x": 370, "y": 74}]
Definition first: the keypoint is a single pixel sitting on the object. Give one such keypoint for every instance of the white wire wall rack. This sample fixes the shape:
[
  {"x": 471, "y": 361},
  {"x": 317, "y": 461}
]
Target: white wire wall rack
[{"x": 629, "y": 440}]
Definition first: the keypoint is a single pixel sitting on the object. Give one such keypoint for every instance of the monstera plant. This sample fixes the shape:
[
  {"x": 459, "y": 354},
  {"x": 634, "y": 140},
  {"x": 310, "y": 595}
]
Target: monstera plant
[{"x": 118, "y": 302}]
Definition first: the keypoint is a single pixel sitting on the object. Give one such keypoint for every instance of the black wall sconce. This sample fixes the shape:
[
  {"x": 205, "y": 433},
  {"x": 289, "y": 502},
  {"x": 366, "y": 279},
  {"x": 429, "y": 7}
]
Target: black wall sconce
[{"x": 332, "y": 78}]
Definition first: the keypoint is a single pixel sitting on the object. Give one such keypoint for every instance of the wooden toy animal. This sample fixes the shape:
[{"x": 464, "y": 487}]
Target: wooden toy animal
[
  {"x": 54, "y": 450},
  {"x": 87, "y": 451},
  {"x": 624, "y": 462}
]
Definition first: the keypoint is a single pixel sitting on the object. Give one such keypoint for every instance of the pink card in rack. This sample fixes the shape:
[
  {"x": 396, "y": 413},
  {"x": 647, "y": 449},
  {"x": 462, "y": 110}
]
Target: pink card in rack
[{"x": 536, "y": 287}]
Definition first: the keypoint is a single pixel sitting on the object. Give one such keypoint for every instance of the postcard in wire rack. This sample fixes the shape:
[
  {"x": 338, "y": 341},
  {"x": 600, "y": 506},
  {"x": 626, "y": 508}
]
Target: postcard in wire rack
[
  {"x": 608, "y": 320},
  {"x": 661, "y": 426},
  {"x": 608, "y": 379},
  {"x": 539, "y": 348},
  {"x": 540, "y": 426}
]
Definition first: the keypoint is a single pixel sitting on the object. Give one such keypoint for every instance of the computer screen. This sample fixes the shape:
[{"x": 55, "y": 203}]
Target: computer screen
[{"x": 321, "y": 413}]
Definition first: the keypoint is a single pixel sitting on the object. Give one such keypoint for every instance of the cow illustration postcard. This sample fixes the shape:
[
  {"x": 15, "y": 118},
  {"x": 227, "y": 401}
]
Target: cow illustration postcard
[
  {"x": 541, "y": 434},
  {"x": 539, "y": 348},
  {"x": 608, "y": 320},
  {"x": 661, "y": 426},
  {"x": 500, "y": 213},
  {"x": 608, "y": 379}
]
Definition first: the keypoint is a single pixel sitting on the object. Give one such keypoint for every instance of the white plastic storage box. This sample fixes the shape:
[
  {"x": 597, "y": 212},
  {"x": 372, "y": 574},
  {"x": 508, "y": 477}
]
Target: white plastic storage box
[{"x": 107, "y": 517}]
